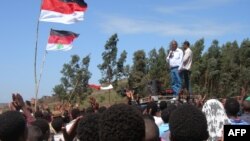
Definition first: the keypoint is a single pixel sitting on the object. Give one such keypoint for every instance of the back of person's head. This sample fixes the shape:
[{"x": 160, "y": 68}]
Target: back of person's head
[
  {"x": 89, "y": 110},
  {"x": 12, "y": 126},
  {"x": 188, "y": 123},
  {"x": 186, "y": 43},
  {"x": 75, "y": 113},
  {"x": 88, "y": 129},
  {"x": 47, "y": 116},
  {"x": 34, "y": 133},
  {"x": 152, "y": 108},
  {"x": 44, "y": 126},
  {"x": 165, "y": 114},
  {"x": 57, "y": 124},
  {"x": 102, "y": 109},
  {"x": 121, "y": 122},
  {"x": 163, "y": 105},
  {"x": 232, "y": 107},
  {"x": 151, "y": 130},
  {"x": 38, "y": 114}
]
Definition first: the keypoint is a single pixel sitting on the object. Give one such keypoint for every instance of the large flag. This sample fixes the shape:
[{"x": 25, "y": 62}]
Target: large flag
[
  {"x": 61, "y": 40},
  {"x": 63, "y": 11}
]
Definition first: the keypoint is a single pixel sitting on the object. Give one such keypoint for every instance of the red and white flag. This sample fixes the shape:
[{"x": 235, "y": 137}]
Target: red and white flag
[
  {"x": 63, "y": 11},
  {"x": 60, "y": 40},
  {"x": 99, "y": 87}
]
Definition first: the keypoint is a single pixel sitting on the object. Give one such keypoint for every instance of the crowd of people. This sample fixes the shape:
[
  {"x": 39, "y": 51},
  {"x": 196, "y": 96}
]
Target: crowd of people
[
  {"x": 191, "y": 119},
  {"x": 163, "y": 121}
]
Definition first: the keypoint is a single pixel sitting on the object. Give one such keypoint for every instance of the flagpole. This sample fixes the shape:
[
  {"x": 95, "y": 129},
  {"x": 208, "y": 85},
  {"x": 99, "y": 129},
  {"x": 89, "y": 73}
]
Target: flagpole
[
  {"x": 40, "y": 75},
  {"x": 35, "y": 59}
]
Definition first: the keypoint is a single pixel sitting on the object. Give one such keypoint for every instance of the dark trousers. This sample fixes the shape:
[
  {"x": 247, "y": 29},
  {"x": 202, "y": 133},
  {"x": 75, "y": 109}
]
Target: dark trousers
[{"x": 187, "y": 84}]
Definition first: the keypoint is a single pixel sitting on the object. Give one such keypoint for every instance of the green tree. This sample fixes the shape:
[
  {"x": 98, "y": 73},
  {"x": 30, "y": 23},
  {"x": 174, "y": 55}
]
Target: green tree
[
  {"x": 120, "y": 70},
  {"x": 244, "y": 56},
  {"x": 109, "y": 60},
  {"x": 74, "y": 83},
  {"x": 138, "y": 72}
]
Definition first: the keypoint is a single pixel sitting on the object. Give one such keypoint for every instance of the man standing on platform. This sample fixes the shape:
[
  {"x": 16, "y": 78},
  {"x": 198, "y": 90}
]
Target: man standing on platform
[
  {"x": 186, "y": 66},
  {"x": 174, "y": 58}
]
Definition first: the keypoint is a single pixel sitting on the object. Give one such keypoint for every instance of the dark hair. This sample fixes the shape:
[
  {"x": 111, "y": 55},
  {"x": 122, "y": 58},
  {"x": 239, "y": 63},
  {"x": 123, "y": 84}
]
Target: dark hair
[
  {"x": 89, "y": 110},
  {"x": 75, "y": 113},
  {"x": 43, "y": 125},
  {"x": 163, "y": 105},
  {"x": 173, "y": 41},
  {"x": 87, "y": 129},
  {"x": 121, "y": 122},
  {"x": 232, "y": 107},
  {"x": 57, "y": 124},
  {"x": 34, "y": 133},
  {"x": 165, "y": 114},
  {"x": 188, "y": 123},
  {"x": 47, "y": 116},
  {"x": 102, "y": 109},
  {"x": 38, "y": 114},
  {"x": 186, "y": 43},
  {"x": 153, "y": 106},
  {"x": 12, "y": 126}
]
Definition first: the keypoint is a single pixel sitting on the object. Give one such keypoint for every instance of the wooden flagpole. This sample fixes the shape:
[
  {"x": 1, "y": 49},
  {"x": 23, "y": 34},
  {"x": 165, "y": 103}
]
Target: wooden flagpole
[
  {"x": 40, "y": 75},
  {"x": 35, "y": 59}
]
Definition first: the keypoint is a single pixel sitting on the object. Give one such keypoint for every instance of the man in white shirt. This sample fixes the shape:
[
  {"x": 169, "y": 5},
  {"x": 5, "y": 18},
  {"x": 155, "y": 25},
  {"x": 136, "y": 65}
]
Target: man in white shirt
[
  {"x": 186, "y": 66},
  {"x": 174, "y": 59}
]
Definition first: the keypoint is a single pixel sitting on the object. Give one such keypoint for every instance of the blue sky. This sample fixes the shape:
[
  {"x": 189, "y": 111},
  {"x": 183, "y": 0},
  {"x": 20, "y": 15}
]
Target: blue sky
[{"x": 140, "y": 24}]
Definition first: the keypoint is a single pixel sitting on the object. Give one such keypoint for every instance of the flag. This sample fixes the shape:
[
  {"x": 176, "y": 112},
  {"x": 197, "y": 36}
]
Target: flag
[
  {"x": 109, "y": 87},
  {"x": 99, "y": 87},
  {"x": 94, "y": 86},
  {"x": 63, "y": 11},
  {"x": 60, "y": 40}
]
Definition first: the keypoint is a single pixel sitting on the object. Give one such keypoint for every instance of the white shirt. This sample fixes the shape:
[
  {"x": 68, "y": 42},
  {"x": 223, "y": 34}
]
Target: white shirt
[
  {"x": 187, "y": 59},
  {"x": 158, "y": 121},
  {"x": 176, "y": 59}
]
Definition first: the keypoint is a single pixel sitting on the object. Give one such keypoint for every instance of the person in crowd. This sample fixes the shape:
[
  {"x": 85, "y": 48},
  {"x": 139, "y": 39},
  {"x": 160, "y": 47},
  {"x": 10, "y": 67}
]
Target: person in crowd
[
  {"x": 151, "y": 130},
  {"x": 34, "y": 133},
  {"x": 44, "y": 126},
  {"x": 57, "y": 124},
  {"x": 216, "y": 118},
  {"x": 152, "y": 109},
  {"x": 186, "y": 66},
  {"x": 88, "y": 129},
  {"x": 163, "y": 105},
  {"x": 232, "y": 107},
  {"x": 102, "y": 109},
  {"x": 188, "y": 123},
  {"x": 174, "y": 59},
  {"x": 121, "y": 122},
  {"x": 13, "y": 126},
  {"x": 90, "y": 110},
  {"x": 164, "y": 128},
  {"x": 246, "y": 110}
]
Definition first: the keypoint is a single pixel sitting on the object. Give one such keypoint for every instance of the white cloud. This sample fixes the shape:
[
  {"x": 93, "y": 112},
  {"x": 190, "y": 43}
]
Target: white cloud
[
  {"x": 191, "y": 6},
  {"x": 123, "y": 25}
]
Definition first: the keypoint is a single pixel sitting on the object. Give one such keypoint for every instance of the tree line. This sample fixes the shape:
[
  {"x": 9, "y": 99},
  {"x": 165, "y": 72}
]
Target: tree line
[{"x": 218, "y": 71}]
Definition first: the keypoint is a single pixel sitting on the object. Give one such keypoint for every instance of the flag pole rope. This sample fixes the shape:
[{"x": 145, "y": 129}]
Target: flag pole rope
[{"x": 35, "y": 59}]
